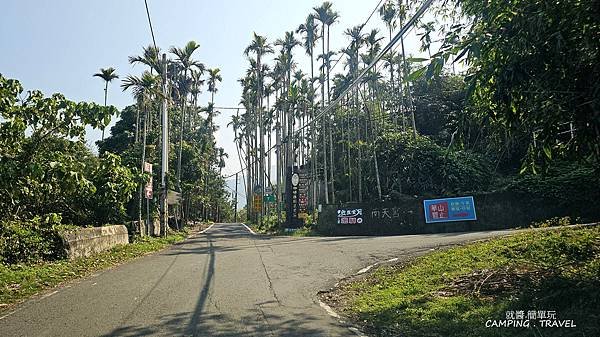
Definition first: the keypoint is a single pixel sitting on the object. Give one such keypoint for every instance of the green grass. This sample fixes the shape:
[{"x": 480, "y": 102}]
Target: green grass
[
  {"x": 300, "y": 232},
  {"x": 18, "y": 282},
  {"x": 270, "y": 227},
  {"x": 454, "y": 292}
]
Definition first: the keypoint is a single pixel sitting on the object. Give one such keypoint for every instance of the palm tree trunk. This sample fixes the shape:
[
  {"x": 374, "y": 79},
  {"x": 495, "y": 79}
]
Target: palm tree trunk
[
  {"x": 331, "y": 166},
  {"x": 328, "y": 66},
  {"x": 402, "y": 105},
  {"x": 269, "y": 141},
  {"x": 324, "y": 123},
  {"x": 290, "y": 136},
  {"x": 137, "y": 124},
  {"x": 393, "y": 98},
  {"x": 359, "y": 149},
  {"x": 180, "y": 145},
  {"x": 142, "y": 184},
  {"x": 348, "y": 133},
  {"x": 250, "y": 203},
  {"x": 105, "y": 96},
  {"x": 409, "y": 96},
  {"x": 279, "y": 163},
  {"x": 313, "y": 166},
  {"x": 372, "y": 137},
  {"x": 262, "y": 137},
  {"x": 324, "y": 139}
]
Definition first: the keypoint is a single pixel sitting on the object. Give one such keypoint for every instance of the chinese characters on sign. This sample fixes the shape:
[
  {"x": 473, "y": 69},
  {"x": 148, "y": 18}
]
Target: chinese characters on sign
[
  {"x": 302, "y": 194},
  {"x": 257, "y": 203},
  {"x": 296, "y": 197},
  {"x": 350, "y": 216},
  {"x": 385, "y": 213},
  {"x": 148, "y": 187},
  {"x": 449, "y": 209}
]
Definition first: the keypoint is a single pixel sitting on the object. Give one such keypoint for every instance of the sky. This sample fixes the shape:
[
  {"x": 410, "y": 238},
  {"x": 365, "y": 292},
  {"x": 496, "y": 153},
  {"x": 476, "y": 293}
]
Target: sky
[{"x": 56, "y": 46}]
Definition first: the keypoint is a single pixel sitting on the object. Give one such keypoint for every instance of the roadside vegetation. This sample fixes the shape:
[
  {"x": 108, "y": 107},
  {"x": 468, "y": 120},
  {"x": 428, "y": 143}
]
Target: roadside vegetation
[
  {"x": 51, "y": 180},
  {"x": 270, "y": 226},
  {"x": 493, "y": 97},
  {"x": 47, "y": 171},
  {"x": 454, "y": 292},
  {"x": 19, "y": 281}
]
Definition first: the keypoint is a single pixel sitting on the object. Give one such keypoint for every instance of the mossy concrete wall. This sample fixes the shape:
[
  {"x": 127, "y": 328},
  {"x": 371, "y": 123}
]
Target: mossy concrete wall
[
  {"x": 87, "y": 241},
  {"x": 494, "y": 211}
]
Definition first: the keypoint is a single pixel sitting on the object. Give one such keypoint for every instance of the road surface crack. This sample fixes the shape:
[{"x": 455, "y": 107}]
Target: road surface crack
[
  {"x": 267, "y": 274},
  {"x": 214, "y": 303},
  {"x": 264, "y": 317}
]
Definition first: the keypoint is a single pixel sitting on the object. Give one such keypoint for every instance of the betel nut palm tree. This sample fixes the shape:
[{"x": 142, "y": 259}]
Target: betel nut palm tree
[
  {"x": 108, "y": 75},
  {"x": 143, "y": 89},
  {"x": 259, "y": 47}
]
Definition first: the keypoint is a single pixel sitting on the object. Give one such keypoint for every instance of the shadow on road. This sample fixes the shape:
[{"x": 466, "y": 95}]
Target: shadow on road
[
  {"x": 223, "y": 325},
  {"x": 208, "y": 279}
]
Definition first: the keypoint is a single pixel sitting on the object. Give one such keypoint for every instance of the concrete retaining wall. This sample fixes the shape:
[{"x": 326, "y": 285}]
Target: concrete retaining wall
[
  {"x": 154, "y": 229},
  {"x": 494, "y": 211},
  {"x": 87, "y": 241}
]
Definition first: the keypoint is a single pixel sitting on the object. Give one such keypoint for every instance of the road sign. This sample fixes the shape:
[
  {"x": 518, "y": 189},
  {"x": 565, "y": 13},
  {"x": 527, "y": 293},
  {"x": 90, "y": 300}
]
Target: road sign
[
  {"x": 148, "y": 191},
  {"x": 449, "y": 209},
  {"x": 257, "y": 203},
  {"x": 295, "y": 179},
  {"x": 269, "y": 198},
  {"x": 257, "y": 189},
  {"x": 268, "y": 190},
  {"x": 148, "y": 188}
]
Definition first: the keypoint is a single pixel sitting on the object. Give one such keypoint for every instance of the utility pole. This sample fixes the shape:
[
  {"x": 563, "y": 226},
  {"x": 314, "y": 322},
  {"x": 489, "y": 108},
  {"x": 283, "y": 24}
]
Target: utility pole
[
  {"x": 165, "y": 152},
  {"x": 236, "y": 192},
  {"x": 279, "y": 168}
]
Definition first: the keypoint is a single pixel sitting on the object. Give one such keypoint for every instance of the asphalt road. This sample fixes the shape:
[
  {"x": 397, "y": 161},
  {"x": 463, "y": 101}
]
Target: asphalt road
[{"x": 225, "y": 282}]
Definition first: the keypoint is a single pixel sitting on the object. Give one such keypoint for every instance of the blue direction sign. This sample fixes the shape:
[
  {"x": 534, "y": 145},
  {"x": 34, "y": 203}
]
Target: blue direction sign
[{"x": 449, "y": 209}]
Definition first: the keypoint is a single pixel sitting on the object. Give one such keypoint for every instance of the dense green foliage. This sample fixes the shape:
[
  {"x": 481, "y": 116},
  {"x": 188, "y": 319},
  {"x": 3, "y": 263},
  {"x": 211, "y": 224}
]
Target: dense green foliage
[
  {"x": 48, "y": 176},
  {"x": 195, "y": 161},
  {"x": 533, "y": 67},
  {"x": 418, "y": 165},
  {"x": 565, "y": 183},
  {"x": 454, "y": 292},
  {"x": 495, "y": 89},
  {"x": 31, "y": 241},
  {"x": 45, "y": 167}
]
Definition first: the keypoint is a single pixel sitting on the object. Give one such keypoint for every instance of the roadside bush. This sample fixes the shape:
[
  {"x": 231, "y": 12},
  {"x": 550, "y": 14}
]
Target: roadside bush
[
  {"x": 30, "y": 241},
  {"x": 568, "y": 183},
  {"x": 418, "y": 166}
]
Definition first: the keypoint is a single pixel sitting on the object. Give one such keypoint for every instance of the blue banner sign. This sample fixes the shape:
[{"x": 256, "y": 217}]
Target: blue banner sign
[{"x": 449, "y": 209}]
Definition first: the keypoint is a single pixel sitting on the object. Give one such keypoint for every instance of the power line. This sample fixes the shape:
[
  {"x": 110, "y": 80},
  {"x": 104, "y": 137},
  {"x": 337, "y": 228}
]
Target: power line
[
  {"x": 150, "y": 23},
  {"x": 385, "y": 50},
  {"x": 253, "y": 162},
  {"x": 406, "y": 28},
  {"x": 228, "y": 108},
  {"x": 341, "y": 56}
]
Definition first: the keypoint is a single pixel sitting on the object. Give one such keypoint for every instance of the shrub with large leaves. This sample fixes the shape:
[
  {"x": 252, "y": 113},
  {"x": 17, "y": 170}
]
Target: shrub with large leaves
[{"x": 45, "y": 166}]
